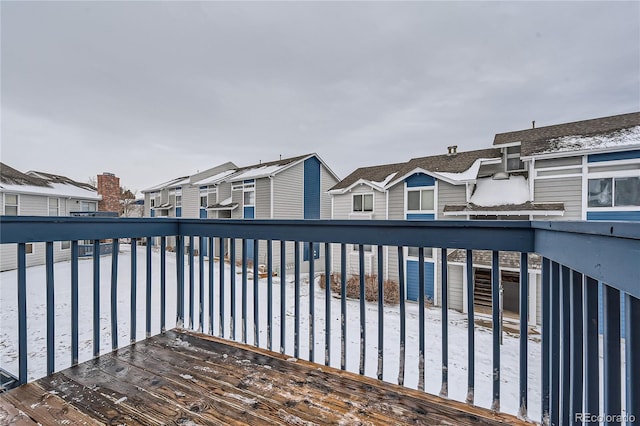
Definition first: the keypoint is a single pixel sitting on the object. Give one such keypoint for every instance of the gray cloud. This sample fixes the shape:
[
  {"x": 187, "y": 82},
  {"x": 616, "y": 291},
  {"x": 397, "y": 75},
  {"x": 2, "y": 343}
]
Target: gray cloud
[{"x": 153, "y": 90}]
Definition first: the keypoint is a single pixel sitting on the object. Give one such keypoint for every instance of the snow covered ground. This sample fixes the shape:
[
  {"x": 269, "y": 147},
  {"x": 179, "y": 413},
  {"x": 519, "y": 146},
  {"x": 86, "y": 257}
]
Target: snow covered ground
[{"x": 36, "y": 311}]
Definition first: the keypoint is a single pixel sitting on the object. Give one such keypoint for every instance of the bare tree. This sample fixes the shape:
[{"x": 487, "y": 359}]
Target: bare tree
[{"x": 127, "y": 201}]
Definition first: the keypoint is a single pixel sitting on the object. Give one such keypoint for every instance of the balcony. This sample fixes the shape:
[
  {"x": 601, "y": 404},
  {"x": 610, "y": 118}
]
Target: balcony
[{"x": 145, "y": 335}]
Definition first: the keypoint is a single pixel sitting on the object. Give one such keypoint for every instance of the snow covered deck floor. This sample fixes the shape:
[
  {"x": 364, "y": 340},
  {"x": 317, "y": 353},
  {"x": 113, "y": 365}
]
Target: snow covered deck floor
[{"x": 182, "y": 377}]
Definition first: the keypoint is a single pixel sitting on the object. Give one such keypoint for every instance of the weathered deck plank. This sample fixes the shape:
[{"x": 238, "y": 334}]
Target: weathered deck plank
[{"x": 188, "y": 378}]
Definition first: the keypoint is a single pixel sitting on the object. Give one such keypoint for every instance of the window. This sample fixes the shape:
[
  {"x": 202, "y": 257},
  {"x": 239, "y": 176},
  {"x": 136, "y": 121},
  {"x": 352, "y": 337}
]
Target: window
[
  {"x": 413, "y": 252},
  {"x": 204, "y": 202},
  {"x": 614, "y": 192},
  {"x": 366, "y": 248},
  {"x": 29, "y": 248},
  {"x": 249, "y": 198},
  {"x": 88, "y": 206},
  {"x": 363, "y": 202},
  {"x": 65, "y": 245},
  {"x": 53, "y": 207},
  {"x": 420, "y": 200},
  {"x": 11, "y": 204}
]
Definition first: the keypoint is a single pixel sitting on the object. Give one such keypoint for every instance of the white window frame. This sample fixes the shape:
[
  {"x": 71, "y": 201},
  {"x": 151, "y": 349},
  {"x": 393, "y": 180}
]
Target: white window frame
[
  {"x": 16, "y": 205},
  {"x": 613, "y": 206},
  {"x": 419, "y": 189},
  {"x": 363, "y": 195},
  {"x": 88, "y": 204},
  {"x": 57, "y": 213},
  {"x": 62, "y": 243}
]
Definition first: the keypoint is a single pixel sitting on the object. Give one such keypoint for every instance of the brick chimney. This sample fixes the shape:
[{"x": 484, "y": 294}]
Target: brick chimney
[{"x": 109, "y": 188}]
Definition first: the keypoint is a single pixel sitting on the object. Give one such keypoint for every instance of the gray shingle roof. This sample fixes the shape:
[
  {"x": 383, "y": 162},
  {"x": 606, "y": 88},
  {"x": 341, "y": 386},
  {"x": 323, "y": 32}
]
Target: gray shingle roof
[
  {"x": 372, "y": 174},
  {"x": 449, "y": 163},
  {"x": 64, "y": 180},
  {"x": 282, "y": 162},
  {"x": 540, "y": 139},
  {"x": 11, "y": 176},
  {"x": 528, "y": 206}
]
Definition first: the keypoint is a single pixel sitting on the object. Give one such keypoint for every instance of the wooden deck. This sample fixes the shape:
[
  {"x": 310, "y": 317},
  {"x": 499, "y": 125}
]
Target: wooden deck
[{"x": 186, "y": 378}]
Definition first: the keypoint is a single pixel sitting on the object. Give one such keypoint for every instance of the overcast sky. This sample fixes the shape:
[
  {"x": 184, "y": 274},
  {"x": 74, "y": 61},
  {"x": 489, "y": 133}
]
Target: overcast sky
[{"x": 155, "y": 90}]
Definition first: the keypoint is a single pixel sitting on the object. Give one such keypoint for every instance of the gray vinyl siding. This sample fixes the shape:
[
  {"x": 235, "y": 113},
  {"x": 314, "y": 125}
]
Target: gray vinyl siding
[
  {"x": 326, "y": 182},
  {"x": 342, "y": 206},
  {"x": 558, "y": 162},
  {"x": 449, "y": 194},
  {"x": 538, "y": 299},
  {"x": 288, "y": 192},
  {"x": 563, "y": 190},
  {"x": 224, "y": 191},
  {"x": 147, "y": 204},
  {"x": 33, "y": 205},
  {"x": 396, "y": 202},
  {"x": 237, "y": 197},
  {"x": 263, "y": 198},
  {"x": 190, "y": 201},
  {"x": 455, "y": 281}
]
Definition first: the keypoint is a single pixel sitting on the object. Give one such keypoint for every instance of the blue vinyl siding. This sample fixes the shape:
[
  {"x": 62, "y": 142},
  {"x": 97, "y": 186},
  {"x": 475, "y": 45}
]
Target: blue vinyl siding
[
  {"x": 203, "y": 213},
  {"x": 420, "y": 216},
  {"x": 152, "y": 213},
  {"x": 420, "y": 179},
  {"x": 249, "y": 213},
  {"x": 178, "y": 211},
  {"x": 612, "y": 156},
  {"x": 312, "y": 188},
  {"x": 614, "y": 215},
  {"x": 413, "y": 280}
]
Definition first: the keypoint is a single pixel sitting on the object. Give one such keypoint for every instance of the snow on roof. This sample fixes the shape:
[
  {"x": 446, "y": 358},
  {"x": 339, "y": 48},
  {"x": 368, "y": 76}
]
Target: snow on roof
[
  {"x": 385, "y": 181},
  {"x": 54, "y": 189},
  {"x": 491, "y": 192},
  {"x": 620, "y": 138},
  {"x": 470, "y": 174},
  {"x": 173, "y": 183},
  {"x": 257, "y": 172},
  {"x": 212, "y": 180}
]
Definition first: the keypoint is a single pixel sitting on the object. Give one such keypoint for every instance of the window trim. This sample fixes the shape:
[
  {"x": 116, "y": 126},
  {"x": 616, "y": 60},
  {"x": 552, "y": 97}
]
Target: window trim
[
  {"x": 419, "y": 189},
  {"x": 613, "y": 206},
  {"x": 363, "y": 195},
  {"x": 16, "y": 205}
]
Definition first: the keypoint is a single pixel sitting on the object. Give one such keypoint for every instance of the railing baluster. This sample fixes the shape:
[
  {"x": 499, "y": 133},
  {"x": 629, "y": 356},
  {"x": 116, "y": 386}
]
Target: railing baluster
[
  {"x": 222, "y": 286},
  {"x": 444, "y": 391},
  {"x": 163, "y": 283},
  {"x": 148, "y": 292},
  {"x": 134, "y": 292},
  {"x": 201, "y": 246},
  {"x": 421, "y": 318},
  {"x": 632, "y": 349},
  {"x": 380, "y": 313},
  {"x": 296, "y": 328},
  {"x": 96, "y": 294},
  {"x": 192, "y": 283},
  {"x": 114, "y": 294},
  {"x": 403, "y": 318},
  {"x": 51, "y": 310},
  {"x": 22, "y": 313},
  {"x": 576, "y": 345},
  {"x": 496, "y": 326},
  {"x": 211, "y": 275},
  {"x": 363, "y": 323},
  {"x": 592, "y": 348},
  {"x": 327, "y": 303},
  {"x": 546, "y": 340},
  {"x": 470, "y": 329},
  {"x": 556, "y": 326},
  {"x": 270, "y": 295},
  {"x": 612, "y": 360},
  {"x": 312, "y": 303},
  {"x": 343, "y": 306},
  {"x": 283, "y": 295},
  {"x": 565, "y": 345},
  {"x": 232, "y": 277},
  {"x": 256, "y": 295},
  {"x": 74, "y": 303},
  {"x": 244, "y": 290},
  {"x": 180, "y": 283},
  {"x": 524, "y": 333}
]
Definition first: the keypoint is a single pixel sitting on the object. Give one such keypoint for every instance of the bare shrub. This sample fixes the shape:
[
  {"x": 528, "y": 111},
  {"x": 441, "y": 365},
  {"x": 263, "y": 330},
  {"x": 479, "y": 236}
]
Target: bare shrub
[{"x": 391, "y": 288}]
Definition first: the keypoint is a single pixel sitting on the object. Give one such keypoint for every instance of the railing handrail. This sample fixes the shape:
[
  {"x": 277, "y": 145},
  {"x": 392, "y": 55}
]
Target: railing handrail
[{"x": 614, "y": 246}]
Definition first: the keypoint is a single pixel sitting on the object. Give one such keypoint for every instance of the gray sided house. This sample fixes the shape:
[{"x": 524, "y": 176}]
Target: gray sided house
[
  {"x": 290, "y": 188},
  {"x": 41, "y": 194}
]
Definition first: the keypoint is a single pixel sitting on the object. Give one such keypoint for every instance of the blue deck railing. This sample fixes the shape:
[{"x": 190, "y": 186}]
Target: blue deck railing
[{"x": 576, "y": 257}]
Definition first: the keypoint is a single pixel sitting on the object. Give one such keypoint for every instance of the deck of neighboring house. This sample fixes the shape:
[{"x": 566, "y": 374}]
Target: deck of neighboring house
[{"x": 182, "y": 377}]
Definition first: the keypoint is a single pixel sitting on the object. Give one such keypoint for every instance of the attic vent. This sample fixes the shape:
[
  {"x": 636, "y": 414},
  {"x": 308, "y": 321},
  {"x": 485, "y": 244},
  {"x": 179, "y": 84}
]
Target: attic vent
[{"x": 452, "y": 149}]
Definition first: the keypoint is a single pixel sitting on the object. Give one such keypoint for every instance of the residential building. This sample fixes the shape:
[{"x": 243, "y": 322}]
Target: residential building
[
  {"x": 41, "y": 194},
  {"x": 290, "y": 188}
]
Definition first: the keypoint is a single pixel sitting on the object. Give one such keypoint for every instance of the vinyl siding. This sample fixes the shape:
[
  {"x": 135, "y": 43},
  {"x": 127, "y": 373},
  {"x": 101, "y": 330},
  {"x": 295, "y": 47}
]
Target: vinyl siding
[
  {"x": 147, "y": 204},
  {"x": 33, "y": 205},
  {"x": 288, "y": 191},
  {"x": 237, "y": 197},
  {"x": 450, "y": 194},
  {"x": 564, "y": 190},
  {"x": 263, "y": 199},
  {"x": 396, "y": 202},
  {"x": 558, "y": 162},
  {"x": 224, "y": 191},
  {"x": 190, "y": 201},
  {"x": 326, "y": 181},
  {"x": 490, "y": 169},
  {"x": 455, "y": 278}
]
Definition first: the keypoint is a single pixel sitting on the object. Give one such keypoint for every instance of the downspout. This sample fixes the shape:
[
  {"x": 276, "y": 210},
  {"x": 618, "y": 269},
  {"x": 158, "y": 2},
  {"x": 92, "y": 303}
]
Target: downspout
[{"x": 386, "y": 248}]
